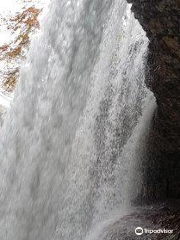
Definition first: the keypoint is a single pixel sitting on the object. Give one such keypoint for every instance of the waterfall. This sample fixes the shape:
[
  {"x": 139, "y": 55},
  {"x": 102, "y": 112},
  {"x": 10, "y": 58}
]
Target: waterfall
[{"x": 69, "y": 141}]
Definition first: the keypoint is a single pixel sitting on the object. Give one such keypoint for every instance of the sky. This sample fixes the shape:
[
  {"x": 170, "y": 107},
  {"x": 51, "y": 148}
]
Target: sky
[{"x": 9, "y": 5}]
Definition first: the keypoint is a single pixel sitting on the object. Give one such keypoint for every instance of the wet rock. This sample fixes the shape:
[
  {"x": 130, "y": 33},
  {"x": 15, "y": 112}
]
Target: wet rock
[
  {"x": 161, "y": 21},
  {"x": 157, "y": 222}
]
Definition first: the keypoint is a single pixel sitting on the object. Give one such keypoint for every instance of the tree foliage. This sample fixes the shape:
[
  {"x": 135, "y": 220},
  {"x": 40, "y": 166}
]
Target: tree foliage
[{"x": 22, "y": 25}]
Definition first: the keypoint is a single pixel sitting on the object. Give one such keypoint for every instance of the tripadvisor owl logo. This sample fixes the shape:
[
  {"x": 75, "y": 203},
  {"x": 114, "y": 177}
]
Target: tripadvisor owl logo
[{"x": 139, "y": 231}]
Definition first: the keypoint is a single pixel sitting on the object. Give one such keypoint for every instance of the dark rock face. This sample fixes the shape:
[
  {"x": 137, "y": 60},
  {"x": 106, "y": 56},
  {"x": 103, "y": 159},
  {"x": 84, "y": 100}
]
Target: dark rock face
[{"x": 161, "y": 21}]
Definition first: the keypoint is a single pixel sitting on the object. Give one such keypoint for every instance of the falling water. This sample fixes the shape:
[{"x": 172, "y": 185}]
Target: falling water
[{"x": 68, "y": 144}]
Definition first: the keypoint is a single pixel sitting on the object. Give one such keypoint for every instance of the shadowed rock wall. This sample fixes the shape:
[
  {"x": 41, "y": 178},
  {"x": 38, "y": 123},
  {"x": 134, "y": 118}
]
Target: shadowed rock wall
[{"x": 161, "y": 21}]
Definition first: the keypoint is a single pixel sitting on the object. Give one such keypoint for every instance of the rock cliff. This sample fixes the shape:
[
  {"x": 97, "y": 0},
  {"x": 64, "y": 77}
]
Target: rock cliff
[{"x": 161, "y": 21}]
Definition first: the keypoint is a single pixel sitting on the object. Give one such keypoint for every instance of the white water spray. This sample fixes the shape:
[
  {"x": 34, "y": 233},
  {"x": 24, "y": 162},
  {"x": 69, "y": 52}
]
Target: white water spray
[{"x": 64, "y": 162}]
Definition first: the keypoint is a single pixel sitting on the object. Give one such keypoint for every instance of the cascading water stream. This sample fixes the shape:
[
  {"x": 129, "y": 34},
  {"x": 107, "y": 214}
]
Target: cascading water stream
[{"x": 68, "y": 144}]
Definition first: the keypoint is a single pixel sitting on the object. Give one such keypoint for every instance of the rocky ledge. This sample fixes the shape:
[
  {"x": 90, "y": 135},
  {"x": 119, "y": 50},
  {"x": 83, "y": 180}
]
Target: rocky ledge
[{"x": 157, "y": 222}]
